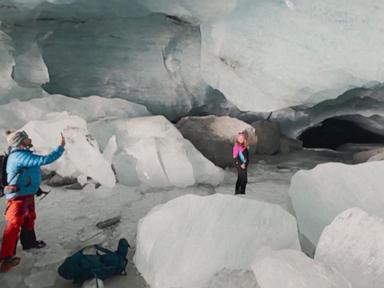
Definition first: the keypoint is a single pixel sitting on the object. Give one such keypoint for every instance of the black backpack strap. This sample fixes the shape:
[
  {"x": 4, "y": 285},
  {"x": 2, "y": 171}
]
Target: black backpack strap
[{"x": 7, "y": 154}]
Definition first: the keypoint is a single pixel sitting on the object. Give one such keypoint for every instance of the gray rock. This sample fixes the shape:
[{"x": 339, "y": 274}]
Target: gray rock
[
  {"x": 268, "y": 134},
  {"x": 58, "y": 181},
  {"x": 288, "y": 145},
  {"x": 214, "y": 136},
  {"x": 109, "y": 222}
]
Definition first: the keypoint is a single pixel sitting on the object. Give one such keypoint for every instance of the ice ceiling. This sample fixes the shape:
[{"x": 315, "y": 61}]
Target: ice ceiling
[{"x": 262, "y": 55}]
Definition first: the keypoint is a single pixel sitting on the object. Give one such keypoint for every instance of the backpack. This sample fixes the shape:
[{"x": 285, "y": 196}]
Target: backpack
[
  {"x": 103, "y": 264},
  {"x": 3, "y": 173}
]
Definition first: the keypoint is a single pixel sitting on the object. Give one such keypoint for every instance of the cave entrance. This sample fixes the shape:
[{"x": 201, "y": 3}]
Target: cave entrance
[{"x": 336, "y": 131}]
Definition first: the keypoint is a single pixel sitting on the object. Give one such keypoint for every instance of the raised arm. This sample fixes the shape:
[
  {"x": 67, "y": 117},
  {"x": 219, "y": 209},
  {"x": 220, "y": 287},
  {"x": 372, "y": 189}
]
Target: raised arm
[{"x": 27, "y": 160}]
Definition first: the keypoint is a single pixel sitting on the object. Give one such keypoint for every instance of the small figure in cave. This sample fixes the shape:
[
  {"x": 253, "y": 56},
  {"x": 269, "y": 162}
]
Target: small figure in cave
[
  {"x": 240, "y": 153},
  {"x": 23, "y": 182}
]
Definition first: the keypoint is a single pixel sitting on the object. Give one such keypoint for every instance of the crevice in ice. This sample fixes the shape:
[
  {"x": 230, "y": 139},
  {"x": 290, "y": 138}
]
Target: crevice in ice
[
  {"x": 161, "y": 159},
  {"x": 177, "y": 20},
  {"x": 233, "y": 64},
  {"x": 52, "y": 19}
]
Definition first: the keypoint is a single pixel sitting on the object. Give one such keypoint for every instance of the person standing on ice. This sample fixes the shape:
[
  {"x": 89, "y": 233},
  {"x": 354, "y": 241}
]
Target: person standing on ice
[
  {"x": 240, "y": 153},
  {"x": 24, "y": 179}
]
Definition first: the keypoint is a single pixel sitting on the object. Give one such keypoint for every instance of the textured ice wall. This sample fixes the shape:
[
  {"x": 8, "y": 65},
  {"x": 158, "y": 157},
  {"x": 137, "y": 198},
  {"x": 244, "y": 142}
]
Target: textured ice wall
[
  {"x": 196, "y": 11},
  {"x": 147, "y": 58},
  {"x": 263, "y": 55},
  {"x": 269, "y": 54},
  {"x": 9, "y": 89}
]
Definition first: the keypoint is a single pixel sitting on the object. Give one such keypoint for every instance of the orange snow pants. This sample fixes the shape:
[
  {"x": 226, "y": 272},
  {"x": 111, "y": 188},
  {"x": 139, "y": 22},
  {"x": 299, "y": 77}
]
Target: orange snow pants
[{"x": 19, "y": 212}]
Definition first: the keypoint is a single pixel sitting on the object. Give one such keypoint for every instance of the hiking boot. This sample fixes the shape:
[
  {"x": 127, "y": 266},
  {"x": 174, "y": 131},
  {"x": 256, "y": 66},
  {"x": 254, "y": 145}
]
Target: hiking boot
[
  {"x": 9, "y": 263},
  {"x": 28, "y": 240},
  {"x": 36, "y": 245}
]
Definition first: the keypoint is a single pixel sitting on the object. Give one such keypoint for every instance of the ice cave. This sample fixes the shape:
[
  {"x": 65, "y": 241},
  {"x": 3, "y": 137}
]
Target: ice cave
[{"x": 232, "y": 143}]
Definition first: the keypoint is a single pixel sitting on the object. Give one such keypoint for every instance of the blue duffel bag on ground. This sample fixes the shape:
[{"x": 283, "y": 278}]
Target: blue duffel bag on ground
[{"x": 102, "y": 264}]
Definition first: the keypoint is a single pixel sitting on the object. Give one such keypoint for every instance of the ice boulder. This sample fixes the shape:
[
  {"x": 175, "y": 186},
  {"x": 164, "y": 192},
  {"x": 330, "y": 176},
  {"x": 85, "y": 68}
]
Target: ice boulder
[
  {"x": 214, "y": 136},
  {"x": 293, "y": 269},
  {"x": 152, "y": 152},
  {"x": 320, "y": 194},
  {"x": 354, "y": 244},
  {"x": 186, "y": 241},
  {"x": 233, "y": 278},
  {"x": 82, "y": 156}
]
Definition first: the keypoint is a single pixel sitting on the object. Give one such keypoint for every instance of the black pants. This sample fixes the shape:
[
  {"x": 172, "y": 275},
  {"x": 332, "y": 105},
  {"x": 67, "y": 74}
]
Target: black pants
[{"x": 242, "y": 180}]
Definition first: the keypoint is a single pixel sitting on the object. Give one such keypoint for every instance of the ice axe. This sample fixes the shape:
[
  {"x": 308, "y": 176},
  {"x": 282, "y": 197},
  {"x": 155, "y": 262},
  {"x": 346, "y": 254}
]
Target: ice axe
[{"x": 42, "y": 193}]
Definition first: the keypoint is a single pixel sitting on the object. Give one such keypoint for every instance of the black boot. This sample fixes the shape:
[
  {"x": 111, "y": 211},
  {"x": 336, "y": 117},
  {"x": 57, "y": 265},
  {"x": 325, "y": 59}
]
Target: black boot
[
  {"x": 28, "y": 240},
  {"x": 237, "y": 188},
  {"x": 24, "y": 238}
]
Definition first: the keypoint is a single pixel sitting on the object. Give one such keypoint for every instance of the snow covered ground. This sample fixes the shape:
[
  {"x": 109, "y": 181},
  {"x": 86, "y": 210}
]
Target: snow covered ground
[{"x": 67, "y": 218}]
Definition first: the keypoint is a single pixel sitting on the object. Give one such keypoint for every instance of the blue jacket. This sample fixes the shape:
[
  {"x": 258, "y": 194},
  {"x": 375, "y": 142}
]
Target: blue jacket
[{"x": 27, "y": 164}]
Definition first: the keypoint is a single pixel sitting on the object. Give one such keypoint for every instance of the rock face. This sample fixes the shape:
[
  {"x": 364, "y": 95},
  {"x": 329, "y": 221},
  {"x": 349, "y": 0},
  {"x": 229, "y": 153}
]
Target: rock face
[
  {"x": 150, "y": 151},
  {"x": 268, "y": 137},
  {"x": 320, "y": 194},
  {"x": 186, "y": 241},
  {"x": 354, "y": 245},
  {"x": 214, "y": 136},
  {"x": 293, "y": 269}
]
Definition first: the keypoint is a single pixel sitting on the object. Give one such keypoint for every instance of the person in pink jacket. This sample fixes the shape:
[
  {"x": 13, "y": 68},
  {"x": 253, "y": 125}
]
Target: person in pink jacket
[{"x": 240, "y": 154}]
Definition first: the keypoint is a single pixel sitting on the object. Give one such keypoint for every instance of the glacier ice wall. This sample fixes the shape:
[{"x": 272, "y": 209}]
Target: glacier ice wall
[
  {"x": 168, "y": 55},
  {"x": 265, "y": 55}
]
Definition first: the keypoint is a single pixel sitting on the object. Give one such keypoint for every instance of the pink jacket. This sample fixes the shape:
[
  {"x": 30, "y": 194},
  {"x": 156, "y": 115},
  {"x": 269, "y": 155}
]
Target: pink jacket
[{"x": 237, "y": 148}]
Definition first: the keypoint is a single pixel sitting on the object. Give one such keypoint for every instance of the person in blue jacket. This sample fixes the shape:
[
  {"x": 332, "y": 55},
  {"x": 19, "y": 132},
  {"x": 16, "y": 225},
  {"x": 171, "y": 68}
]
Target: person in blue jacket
[{"x": 24, "y": 179}]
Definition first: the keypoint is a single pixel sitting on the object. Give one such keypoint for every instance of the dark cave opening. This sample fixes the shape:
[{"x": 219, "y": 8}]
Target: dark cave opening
[{"x": 336, "y": 131}]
